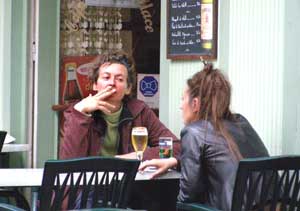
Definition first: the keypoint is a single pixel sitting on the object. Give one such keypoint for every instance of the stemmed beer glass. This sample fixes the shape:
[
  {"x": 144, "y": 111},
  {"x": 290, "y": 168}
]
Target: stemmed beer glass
[{"x": 139, "y": 139}]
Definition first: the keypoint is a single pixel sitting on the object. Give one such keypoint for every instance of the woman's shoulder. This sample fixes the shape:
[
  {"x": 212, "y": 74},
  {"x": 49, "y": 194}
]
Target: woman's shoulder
[
  {"x": 200, "y": 130},
  {"x": 246, "y": 137},
  {"x": 197, "y": 127},
  {"x": 237, "y": 122},
  {"x": 239, "y": 118}
]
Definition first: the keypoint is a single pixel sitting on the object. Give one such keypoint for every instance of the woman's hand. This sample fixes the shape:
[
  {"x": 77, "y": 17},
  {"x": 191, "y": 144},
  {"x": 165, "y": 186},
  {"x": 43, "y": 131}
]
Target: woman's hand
[
  {"x": 162, "y": 165},
  {"x": 97, "y": 102}
]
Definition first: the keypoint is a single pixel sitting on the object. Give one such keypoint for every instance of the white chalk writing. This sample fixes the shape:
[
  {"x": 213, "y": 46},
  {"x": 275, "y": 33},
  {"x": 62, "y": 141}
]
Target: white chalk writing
[{"x": 185, "y": 23}]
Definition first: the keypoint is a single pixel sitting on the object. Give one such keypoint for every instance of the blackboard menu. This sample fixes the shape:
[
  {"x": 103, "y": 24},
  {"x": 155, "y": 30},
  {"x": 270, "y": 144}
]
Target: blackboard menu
[{"x": 192, "y": 27}]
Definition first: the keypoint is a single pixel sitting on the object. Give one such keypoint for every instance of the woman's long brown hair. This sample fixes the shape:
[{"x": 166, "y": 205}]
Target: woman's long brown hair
[{"x": 214, "y": 92}]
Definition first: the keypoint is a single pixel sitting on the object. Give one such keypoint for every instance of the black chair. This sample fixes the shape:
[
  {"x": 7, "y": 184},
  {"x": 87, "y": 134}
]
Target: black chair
[
  {"x": 2, "y": 138},
  {"x": 8, "y": 207},
  {"x": 108, "y": 209},
  {"x": 271, "y": 183},
  {"x": 105, "y": 181}
]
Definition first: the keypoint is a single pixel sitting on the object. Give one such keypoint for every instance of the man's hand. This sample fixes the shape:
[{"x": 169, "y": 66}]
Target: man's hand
[
  {"x": 162, "y": 165},
  {"x": 96, "y": 102}
]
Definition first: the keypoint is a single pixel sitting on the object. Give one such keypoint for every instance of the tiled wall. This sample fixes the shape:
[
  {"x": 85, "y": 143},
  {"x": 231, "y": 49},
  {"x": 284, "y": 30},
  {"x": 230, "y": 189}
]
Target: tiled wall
[{"x": 255, "y": 65}]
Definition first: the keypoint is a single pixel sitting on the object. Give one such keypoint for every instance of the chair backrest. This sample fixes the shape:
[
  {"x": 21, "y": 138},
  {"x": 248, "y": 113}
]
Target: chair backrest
[
  {"x": 2, "y": 138},
  {"x": 271, "y": 183},
  {"x": 87, "y": 183},
  {"x": 9, "y": 207}
]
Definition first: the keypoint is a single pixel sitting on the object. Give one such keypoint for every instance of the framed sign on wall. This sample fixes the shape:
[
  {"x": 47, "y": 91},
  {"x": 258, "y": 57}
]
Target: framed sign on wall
[{"x": 192, "y": 27}]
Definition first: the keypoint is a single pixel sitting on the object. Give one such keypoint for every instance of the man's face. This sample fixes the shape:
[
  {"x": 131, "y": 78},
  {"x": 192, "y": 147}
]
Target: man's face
[{"x": 114, "y": 76}]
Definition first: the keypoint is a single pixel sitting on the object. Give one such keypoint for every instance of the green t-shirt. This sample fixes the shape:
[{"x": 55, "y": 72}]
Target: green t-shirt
[{"x": 111, "y": 139}]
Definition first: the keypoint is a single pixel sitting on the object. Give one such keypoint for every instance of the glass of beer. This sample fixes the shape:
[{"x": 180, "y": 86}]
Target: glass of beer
[{"x": 139, "y": 139}]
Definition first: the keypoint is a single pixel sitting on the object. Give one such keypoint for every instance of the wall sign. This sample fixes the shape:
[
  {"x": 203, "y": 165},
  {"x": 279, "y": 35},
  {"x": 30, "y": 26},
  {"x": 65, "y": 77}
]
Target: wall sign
[
  {"x": 148, "y": 89},
  {"x": 192, "y": 29},
  {"x": 148, "y": 86}
]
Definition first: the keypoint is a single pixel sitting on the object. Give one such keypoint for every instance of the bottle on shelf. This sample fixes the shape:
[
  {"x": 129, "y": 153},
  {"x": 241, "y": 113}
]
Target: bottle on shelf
[{"x": 72, "y": 91}]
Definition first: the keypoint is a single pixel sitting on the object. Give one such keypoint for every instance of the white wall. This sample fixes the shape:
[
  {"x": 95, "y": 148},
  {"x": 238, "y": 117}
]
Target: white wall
[
  {"x": 46, "y": 82},
  {"x": 291, "y": 78},
  {"x": 173, "y": 74},
  {"x": 255, "y": 65},
  {"x": 258, "y": 48},
  {"x": 5, "y": 63},
  {"x": 13, "y": 72}
]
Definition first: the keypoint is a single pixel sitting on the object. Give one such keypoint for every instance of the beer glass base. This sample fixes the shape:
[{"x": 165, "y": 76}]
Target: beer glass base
[{"x": 139, "y": 155}]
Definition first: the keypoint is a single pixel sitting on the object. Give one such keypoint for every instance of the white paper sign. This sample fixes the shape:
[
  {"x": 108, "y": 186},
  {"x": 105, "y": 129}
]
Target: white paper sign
[
  {"x": 9, "y": 139},
  {"x": 148, "y": 89}
]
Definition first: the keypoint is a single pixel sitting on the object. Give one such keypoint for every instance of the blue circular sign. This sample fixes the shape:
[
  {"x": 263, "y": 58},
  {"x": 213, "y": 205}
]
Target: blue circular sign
[{"x": 148, "y": 86}]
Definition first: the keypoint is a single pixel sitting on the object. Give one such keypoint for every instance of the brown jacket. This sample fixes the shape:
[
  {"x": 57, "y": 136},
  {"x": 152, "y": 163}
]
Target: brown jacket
[{"x": 83, "y": 135}]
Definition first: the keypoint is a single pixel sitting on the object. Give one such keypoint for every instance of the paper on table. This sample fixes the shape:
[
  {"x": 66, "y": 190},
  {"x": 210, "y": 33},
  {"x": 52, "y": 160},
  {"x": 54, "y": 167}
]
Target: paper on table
[
  {"x": 9, "y": 139},
  {"x": 150, "y": 169}
]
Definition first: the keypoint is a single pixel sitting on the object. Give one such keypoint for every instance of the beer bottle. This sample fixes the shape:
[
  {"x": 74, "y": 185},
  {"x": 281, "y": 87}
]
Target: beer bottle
[{"x": 72, "y": 91}]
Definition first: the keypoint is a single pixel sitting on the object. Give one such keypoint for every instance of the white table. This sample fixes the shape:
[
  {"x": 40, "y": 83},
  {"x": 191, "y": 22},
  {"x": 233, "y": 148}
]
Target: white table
[
  {"x": 29, "y": 177},
  {"x": 11, "y": 148},
  {"x": 15, "y": 147}
]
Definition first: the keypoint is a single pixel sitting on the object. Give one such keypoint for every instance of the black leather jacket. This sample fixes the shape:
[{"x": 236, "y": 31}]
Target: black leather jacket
[{"x": 208, "y": 168}]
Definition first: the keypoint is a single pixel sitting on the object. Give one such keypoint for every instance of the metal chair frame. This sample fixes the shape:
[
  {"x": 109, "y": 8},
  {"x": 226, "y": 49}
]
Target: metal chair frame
[
  {"x": 88, "y": 182},
  {"x": 268, "y": 183}
]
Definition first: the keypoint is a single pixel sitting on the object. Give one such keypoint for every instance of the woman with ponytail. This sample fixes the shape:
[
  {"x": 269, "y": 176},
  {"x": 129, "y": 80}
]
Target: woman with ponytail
[{"x": 212, "y": 141}]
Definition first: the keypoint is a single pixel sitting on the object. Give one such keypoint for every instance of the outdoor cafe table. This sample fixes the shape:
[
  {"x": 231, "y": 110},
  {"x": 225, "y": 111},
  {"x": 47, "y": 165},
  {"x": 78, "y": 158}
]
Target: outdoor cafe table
[
  {"x": 15, "y": 148},
  {"x": 11, "y": 148},
  {"x": 32, "y": 177}
]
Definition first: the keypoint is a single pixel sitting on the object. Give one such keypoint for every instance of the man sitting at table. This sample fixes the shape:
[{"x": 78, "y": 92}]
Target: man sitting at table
[{"x": 101, "y": 124}]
